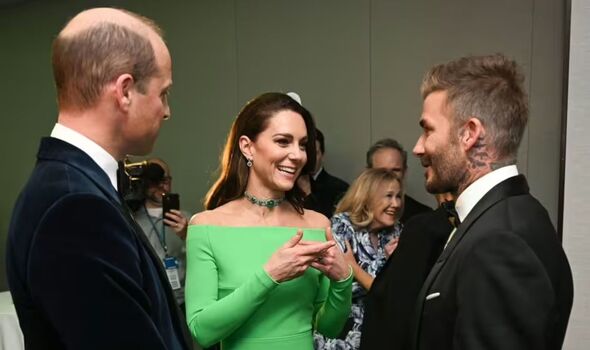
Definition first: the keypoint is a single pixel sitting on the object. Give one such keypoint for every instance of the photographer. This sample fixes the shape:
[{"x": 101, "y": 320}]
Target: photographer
[{"x": 165, "y": 234}]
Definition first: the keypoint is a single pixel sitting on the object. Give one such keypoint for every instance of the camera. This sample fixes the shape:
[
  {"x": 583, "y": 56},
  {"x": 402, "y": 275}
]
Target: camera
[{"x": 138, "y": 177}]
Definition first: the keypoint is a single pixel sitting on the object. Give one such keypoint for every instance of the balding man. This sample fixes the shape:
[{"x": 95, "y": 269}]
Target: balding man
[{"x": 81, "y": 274}]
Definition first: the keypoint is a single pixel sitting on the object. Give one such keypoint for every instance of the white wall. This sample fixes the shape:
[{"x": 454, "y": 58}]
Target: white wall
[{"x": 576, "y": 239}]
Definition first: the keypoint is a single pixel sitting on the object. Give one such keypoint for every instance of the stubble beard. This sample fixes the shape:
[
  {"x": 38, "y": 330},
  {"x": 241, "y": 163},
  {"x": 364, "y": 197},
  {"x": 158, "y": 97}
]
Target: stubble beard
[
  {"x": 447, "y": 171},
  {"x": 155, "y": 198}
]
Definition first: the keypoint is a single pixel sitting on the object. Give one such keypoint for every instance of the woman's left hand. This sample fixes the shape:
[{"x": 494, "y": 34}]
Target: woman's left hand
[
  {"x": 177, "y": 222},
  {"x": 390, "y": 246},
  {"x": 332, "y": 263}
]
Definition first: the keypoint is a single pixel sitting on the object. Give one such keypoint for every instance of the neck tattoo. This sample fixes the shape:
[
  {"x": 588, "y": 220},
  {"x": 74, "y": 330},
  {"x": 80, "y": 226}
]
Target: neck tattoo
[{"x": 268, "y": 203}]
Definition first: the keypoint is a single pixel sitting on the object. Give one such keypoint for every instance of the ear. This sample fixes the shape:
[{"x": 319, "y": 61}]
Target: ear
[
  {"x": 123, "y": 90},
  {"x": 246, "y": 146},
  {"x": 470, "y": 133}
]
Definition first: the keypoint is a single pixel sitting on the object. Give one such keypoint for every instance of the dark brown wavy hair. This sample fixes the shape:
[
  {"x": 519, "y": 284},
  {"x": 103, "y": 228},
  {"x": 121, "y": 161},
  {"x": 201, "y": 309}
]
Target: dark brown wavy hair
[{"x": 251, "y": 121}]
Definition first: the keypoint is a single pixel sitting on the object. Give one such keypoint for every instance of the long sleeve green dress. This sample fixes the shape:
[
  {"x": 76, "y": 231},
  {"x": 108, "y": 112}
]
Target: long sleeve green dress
[{"x": 230, "y": 298}]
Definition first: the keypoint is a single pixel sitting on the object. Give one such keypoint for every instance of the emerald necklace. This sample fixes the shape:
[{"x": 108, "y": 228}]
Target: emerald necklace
[{"x": 268, "y": 203}]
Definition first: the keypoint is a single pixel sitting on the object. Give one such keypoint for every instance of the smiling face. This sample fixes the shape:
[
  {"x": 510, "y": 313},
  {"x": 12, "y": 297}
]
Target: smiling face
[
  {"x": 438, "y": 147},
  {"x": 278, "y": 154},
  {"x": 386, "y": 204}
]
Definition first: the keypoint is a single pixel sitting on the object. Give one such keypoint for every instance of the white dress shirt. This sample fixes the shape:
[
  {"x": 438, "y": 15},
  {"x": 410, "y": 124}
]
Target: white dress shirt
[
  {"x": 98, "y": 154},
  {"x": 475, "y": 192}
]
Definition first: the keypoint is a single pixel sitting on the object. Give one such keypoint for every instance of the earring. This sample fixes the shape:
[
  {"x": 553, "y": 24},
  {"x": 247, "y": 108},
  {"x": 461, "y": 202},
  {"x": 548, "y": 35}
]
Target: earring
[{"x": 249, "y": 163}]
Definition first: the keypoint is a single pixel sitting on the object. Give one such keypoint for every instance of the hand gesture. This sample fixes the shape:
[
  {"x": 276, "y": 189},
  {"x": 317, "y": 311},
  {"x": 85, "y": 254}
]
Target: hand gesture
[
  {"x": 361, "y": 276},
  {"x": 390, "y": 246},
  {"x": 294, "y": 257},
  {"x": 349, "y": 255},
  {"x": 177, "y": 221},
  {"x": 332, "y": 263}
]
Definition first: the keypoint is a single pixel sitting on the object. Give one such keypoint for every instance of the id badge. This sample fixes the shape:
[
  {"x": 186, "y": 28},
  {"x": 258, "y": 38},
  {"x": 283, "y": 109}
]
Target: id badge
[{"x": 171, "y": 265}]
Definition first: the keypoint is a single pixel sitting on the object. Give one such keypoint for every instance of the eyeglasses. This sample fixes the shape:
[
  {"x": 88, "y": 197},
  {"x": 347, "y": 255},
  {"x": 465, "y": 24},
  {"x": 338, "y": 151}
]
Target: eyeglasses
[{"x": 166, "y": 180}]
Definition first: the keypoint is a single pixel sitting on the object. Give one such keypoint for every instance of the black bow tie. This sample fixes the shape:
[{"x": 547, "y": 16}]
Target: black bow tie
[{"x": 449, "y": 207}]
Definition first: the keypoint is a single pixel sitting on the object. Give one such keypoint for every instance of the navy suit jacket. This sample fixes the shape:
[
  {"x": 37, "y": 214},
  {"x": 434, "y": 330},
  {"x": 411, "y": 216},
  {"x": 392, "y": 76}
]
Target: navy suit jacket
[
  {"x": 80, "y": 272},
  {"x": 502, "y": 282}
]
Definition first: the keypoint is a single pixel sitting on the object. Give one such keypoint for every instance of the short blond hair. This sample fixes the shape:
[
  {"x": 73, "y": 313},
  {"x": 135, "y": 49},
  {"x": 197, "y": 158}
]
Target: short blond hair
[{"x": 358, "y": 199}]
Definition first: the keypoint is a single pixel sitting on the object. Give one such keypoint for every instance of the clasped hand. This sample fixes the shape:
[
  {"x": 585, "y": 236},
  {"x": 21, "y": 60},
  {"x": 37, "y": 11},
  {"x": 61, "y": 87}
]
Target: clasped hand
[{"x": 294, "y": 257}]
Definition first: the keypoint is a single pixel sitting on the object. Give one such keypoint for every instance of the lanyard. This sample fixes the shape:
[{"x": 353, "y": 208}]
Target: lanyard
[{"x": 161, "y": 236}]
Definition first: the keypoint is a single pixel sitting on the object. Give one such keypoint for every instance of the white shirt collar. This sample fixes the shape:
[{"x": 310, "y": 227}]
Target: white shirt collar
[
  {"x": 474, "y": 192},
  {"x": 98, "y": 154},
  {"x": 315, "y": 176}
]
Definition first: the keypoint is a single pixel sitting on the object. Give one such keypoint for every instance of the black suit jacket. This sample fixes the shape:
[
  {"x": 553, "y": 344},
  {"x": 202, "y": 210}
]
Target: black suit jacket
[
  {"x": 390, "y": 303},
  {"x": 80, "y": 272},
  {"x": 503, "y": 282},
  {"x": 412, "y": 208},
  {"x": 326, "y": 191}
]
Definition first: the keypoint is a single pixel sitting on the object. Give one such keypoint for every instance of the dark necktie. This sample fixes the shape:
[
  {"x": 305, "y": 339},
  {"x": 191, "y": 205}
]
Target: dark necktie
[{"x": 451, "y": 212}]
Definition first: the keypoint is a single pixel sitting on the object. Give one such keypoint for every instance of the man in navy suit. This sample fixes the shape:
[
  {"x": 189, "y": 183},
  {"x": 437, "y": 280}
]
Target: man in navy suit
[
  {"x": 81, "y": 274},
  {"x": 503, "y": 280}
]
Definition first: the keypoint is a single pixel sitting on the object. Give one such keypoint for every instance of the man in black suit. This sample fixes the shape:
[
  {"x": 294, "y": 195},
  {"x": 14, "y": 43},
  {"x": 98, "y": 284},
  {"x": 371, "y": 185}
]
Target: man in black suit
[
  {"x": 503, "y": 280},
  {"x": 81, "y": 273},
  {"x": 323, "y": 189},
  {"x": 389, "y": 154}
]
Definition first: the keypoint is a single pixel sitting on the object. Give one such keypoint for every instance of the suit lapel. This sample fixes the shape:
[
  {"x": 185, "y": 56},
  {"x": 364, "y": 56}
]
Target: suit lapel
[
  {"x": 173, "y": 305},
  {"x": 61, "y": 151},
  {"x": 513, "y": 186},
  {"x": 58, "y": 150}
]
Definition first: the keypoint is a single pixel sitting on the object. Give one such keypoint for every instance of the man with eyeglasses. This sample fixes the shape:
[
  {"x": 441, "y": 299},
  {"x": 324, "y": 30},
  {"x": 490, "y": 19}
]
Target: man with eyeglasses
[{"x": 166, "y": 233}]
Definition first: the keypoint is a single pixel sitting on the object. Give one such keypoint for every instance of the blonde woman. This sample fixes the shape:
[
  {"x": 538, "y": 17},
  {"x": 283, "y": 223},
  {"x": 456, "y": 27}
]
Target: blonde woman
[{"x": 366, "y": 227}]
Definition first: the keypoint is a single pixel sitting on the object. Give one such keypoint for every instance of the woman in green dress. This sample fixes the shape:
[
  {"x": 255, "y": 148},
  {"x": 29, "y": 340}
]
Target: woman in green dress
[{"x": 262, "y": 272}]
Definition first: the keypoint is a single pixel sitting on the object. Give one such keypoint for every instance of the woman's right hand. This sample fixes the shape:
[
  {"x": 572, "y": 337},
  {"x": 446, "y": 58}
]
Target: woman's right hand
[
  {"x": 360, "y": 275},
  {"x": 348, "y": 255},
  {"x": 292, "y": 259}
]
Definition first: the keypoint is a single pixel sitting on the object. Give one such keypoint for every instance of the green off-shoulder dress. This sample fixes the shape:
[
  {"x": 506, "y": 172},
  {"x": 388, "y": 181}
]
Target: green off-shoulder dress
[{"x": 230, "y": 298}]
